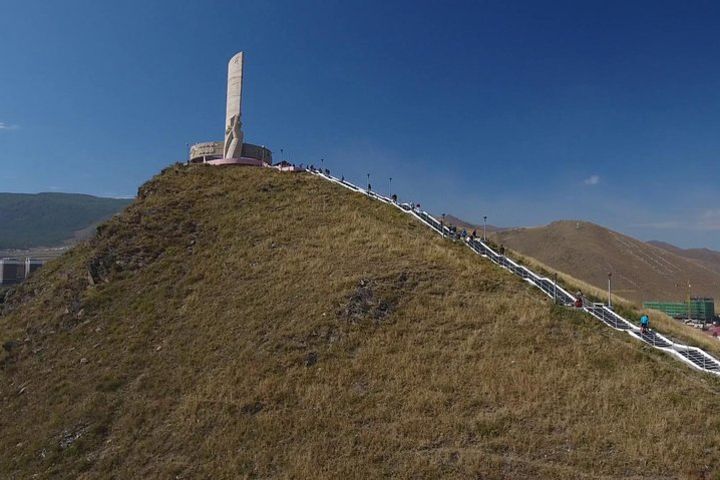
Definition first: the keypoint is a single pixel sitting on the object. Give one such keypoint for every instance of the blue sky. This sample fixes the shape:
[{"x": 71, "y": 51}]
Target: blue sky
[{"x": 526, "y": 112}]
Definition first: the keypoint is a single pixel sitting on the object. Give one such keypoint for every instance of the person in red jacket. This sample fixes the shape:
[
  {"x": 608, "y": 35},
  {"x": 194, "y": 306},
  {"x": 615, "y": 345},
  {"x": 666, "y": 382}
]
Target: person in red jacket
[{"x": 578, "y": 300}]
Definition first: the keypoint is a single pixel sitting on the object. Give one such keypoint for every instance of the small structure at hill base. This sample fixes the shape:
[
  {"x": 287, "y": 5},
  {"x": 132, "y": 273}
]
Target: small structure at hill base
[
  {"x": 696, "y": 308},
  {"x": 233, "y": 150},
  {"x": 13, "y": 270}
]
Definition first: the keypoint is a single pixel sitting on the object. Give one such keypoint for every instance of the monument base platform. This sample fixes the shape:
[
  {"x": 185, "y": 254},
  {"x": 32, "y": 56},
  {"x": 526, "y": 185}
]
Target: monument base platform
[{"x": 252, "y": 162}]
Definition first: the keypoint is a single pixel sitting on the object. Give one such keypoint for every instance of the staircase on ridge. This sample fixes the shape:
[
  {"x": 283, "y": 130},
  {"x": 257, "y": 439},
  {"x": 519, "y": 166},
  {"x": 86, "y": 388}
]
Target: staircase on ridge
[{"x": 692, "y": 356}]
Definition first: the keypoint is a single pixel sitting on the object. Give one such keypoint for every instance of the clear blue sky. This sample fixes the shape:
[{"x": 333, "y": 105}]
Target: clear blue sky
[{"x": 526, "y": 112}]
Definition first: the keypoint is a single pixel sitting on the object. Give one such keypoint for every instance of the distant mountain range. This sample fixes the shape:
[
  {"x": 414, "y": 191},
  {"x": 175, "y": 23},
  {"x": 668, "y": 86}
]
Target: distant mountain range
[
  {"x": 642, "y": 271},
  {"x": 51, "y": 219}
]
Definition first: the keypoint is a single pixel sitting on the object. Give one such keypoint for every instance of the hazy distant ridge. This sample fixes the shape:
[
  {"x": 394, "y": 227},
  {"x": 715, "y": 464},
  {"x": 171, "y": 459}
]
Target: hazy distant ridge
[{"x": 50, "y": 219}]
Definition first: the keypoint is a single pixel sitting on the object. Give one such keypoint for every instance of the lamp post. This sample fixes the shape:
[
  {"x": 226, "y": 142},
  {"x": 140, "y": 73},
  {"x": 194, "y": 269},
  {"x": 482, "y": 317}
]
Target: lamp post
[
  {"x": 610, "y": 290},
  {"x": 390, "y": 188},
  {"x": 322, "y": 165},
  {"x": 369, "y": 187},
  {"x": 485, "y": 228}
]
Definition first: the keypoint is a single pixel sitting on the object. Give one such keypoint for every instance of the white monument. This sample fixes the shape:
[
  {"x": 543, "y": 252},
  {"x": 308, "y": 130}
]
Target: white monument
[
  {"x": 232, "y": 150},
  {"x": 233, "y": 125}
]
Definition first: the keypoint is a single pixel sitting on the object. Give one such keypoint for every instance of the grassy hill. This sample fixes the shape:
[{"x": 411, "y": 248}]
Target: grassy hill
[
  {"x": 50, "y": 219},
  {"x": 243, "y": 323},
  {"x": 586, "y": 251}
]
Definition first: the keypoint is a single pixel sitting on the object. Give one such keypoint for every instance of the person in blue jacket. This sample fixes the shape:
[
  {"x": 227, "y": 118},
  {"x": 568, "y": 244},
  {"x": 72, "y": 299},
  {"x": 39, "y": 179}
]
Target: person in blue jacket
[{"x": 644, "y": 323}]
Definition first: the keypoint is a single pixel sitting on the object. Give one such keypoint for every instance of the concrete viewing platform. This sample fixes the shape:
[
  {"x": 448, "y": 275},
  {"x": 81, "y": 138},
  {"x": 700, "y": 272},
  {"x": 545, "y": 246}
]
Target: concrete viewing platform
[{"x": 237, "y": 161}]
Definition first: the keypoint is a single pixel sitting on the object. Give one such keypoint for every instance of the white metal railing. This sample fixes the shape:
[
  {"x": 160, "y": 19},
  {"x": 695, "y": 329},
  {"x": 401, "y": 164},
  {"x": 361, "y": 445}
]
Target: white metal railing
[{"x": 692, "y": 356}]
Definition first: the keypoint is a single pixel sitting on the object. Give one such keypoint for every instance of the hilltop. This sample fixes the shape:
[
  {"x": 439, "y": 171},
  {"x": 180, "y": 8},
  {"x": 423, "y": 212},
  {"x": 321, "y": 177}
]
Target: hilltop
[
  {"x": 586, "y": 251},
  {"x": 242, "y": 323},
  {"x": 51, "y": 219}
]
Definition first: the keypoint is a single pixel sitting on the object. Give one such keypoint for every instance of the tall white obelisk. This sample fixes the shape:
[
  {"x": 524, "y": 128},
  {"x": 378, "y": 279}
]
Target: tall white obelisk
[{"x": 233, "y": 125}]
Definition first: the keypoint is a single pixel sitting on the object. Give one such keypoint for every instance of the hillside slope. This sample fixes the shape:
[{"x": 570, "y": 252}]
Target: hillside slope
[
  {"x": 51, "y": 219},
  {"x": 239, "y": 322},
  {"x": 588, "y": 252},
  {"x": 703, "y": 256}
]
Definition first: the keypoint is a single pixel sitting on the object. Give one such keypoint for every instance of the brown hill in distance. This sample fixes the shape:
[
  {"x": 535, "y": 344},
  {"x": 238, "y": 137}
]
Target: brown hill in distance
[
  {"x": 587, "y": 251},
  {"x": 703, "y": 256}
]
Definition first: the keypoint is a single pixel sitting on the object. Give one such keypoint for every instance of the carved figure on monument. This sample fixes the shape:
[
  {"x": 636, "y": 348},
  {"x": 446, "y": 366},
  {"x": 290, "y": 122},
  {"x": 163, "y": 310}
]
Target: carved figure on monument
[{"x": 233, "y": 138}]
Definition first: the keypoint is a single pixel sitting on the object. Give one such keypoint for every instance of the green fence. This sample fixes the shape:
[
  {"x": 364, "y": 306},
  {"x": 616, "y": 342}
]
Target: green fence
[{"x": 699, "y": 308}]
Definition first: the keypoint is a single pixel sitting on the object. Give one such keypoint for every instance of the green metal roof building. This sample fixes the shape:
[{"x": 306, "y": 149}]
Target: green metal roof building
[{"x": 700, "y": 308}]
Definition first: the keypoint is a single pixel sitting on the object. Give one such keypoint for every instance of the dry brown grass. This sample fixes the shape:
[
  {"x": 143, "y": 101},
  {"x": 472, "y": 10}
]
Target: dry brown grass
[{"x": 240, "y": 329}]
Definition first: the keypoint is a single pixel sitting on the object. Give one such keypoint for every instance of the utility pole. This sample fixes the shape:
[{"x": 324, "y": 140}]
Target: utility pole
[
  {"x": 485, "y": 228},
  {"x": 610, "y": 290},
  {"x": 390, "y": 188}
]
